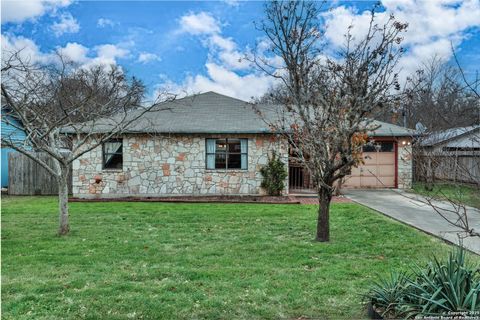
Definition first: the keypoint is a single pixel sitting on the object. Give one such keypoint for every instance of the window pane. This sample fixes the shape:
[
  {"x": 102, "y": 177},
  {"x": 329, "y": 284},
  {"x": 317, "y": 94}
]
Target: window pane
[
  {"x": 113, "y": 161},
  {"x": 221, "y": 145},
  {"x": 112, "y": 155},
  {"x": 220, "y": 161},
  {"x": 387, "y": 147},
  {"x": 234, "y": 161},
  {"x": 113, "y": 147},
  {"x": 378, "y": 146},
  {"x": 369, "y": 147},
  {"x": 234, "y": 145}
]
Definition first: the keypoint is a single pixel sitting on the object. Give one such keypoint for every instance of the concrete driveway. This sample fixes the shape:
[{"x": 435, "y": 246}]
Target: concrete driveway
[{"x": 411, "y": 209}]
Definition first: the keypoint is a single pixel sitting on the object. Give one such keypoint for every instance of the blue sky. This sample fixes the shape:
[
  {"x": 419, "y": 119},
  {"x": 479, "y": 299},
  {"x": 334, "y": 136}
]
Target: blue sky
[{"x": 195, "y": 46}]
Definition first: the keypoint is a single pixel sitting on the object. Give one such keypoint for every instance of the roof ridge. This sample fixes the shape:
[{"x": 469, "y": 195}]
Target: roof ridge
[{"x": 220, "y": 94}]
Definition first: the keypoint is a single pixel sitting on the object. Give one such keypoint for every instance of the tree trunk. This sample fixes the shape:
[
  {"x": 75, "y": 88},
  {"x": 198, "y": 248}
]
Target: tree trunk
[
  {"x": 323, "y": 225},
  {"x": 64, "y": 226}
]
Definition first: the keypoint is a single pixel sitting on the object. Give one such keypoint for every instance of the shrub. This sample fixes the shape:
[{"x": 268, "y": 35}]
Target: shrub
[
  {"x": 274, "y": 174},
  {"x": 441, "y": 287},
  {"x": 433, "y": 290},
  {"x": 387, "y": 295}
]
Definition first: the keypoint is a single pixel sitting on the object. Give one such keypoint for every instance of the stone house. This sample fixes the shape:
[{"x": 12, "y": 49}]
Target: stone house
[{"x": 211, "y": 144}]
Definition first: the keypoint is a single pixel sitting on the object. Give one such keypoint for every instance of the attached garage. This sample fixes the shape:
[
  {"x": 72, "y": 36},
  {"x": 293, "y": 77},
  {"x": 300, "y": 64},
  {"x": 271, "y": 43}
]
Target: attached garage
[
  {"x": 378, "y": 169},
  {"x": 387, "y": 162}
]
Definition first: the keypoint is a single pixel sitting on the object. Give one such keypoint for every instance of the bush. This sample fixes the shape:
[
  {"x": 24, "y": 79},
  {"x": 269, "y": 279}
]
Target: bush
[
  {"x": 274, "y": 174},
  {"x": 387, "y": 295},
  {"x": 436, "y": 289}
]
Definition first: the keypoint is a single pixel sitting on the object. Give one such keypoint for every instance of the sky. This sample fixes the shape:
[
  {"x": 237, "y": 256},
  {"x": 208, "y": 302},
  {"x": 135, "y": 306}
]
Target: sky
[{"x": 192, "y": 47}]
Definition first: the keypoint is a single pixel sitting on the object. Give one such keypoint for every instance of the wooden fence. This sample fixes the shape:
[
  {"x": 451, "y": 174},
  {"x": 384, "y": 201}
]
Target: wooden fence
[
  {"x": 27, "y": 177},
  {"x": 454, "y": 168}
]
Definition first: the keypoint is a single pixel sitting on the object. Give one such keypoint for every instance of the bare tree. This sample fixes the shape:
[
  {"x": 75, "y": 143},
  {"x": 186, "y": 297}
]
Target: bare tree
[
  {"x": 434, "y": 96},
  {"x": 328, "y": 100},
  {"x": 457, "y": 166},
  {"x": 61, "y": 106}
]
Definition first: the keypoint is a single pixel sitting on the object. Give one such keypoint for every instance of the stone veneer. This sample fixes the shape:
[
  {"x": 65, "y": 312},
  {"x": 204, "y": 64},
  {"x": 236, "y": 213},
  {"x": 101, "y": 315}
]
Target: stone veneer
[
  {"x": 404, "y": 161},
  {"x": 172, "y": 165}
]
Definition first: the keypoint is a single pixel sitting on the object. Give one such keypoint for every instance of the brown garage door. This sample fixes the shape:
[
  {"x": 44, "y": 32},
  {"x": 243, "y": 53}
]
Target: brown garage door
[{"x": 378, "y": 170}]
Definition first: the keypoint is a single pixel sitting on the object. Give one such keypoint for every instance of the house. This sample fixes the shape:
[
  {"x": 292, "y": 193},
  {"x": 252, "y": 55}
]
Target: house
[
  {"x": 12, "y": 129},
  {"x": 464, "y": 140},
  {"x": 211, "y": 144},
  {"x": 452, "y": 155}
]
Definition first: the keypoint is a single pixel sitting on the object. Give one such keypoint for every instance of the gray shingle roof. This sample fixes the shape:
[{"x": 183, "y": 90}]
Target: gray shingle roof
[
  {"x": 442, "y": 136},
  {"x": 390, "y": 130},
  {"x": 211, "y": 112}
]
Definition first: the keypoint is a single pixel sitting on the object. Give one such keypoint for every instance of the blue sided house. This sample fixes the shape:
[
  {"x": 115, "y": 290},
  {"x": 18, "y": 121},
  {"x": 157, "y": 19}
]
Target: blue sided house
[{"x": 11, "y": 130}]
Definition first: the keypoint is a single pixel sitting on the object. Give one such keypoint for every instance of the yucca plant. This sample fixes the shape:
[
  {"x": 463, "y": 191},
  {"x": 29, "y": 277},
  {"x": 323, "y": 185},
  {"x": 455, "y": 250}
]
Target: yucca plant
[
  {"x": 387, "y": 294},
  {"x": 433, "y": 290},
  {"x": 452, "y": 285}
]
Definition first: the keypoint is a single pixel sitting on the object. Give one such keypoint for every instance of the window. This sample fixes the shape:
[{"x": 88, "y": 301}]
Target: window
[
  {"x": 113, "y": 154},
  {"x": 380, "y": 146},
  {"x": 227, "y": 153}
]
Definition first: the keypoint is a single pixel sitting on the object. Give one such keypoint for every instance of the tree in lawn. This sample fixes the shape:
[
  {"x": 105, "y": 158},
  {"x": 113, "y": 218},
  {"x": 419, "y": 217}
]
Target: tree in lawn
[
  {"x": 59, "y": 104},
  {"x": 327, "y": 101}
]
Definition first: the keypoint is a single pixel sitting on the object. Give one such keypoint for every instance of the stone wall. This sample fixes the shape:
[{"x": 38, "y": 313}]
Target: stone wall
[
  {"x": 404, "y": 163},
  {"x": 172, "y": 165}
]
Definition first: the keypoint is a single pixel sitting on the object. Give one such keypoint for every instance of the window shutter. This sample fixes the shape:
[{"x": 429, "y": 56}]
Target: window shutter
[
  {"x": 210, "y": 153},
  {"x": 244, "y": 151}
]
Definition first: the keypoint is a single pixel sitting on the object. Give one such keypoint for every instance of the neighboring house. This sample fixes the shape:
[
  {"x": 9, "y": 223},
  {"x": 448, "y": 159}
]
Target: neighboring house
[
  {"x": 452, "y": 154},
  {"x": 211, "y": 144},
  {"x": 11, "y": 129},
  {"x": 465, "y": 140}
]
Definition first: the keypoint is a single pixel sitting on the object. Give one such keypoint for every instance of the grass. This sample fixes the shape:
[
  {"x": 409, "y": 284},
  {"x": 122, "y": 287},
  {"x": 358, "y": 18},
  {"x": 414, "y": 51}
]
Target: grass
[
  {"x": 184, "y": 261},
  {"x": 468, "y": 195}
]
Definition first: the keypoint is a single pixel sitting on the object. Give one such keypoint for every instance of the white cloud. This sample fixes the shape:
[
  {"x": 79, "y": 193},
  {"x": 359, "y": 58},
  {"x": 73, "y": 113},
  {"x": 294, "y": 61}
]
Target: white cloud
[
  {"x": 110, "y": 51},
  {"x": 145, "y": 57},
  {"x": 222, "y": 49},
  {"x": 67, "y": 24},
  {"x": 104, "y": 22},
  {"x": 225, "y": 51},
  {"x": 234, "y": 60},
  {"x": 75, "y": 52},
  {"x": 224, "y": 81},
  {"x": 28, "y": 49},
  {"x": 200, "y": 23},
  {"x": 223, "y": 61},
  {"x": 433, "y": 26},
  {"x": 18, "y": 11},
  {"x": 223, "y": 43},
  {"x": 105, "y": 54}
]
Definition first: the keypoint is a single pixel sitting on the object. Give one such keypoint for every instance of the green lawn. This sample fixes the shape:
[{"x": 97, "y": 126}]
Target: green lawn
[
  {"x": 216, "y": 261},
  {"x": 462, "y": 193}
]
